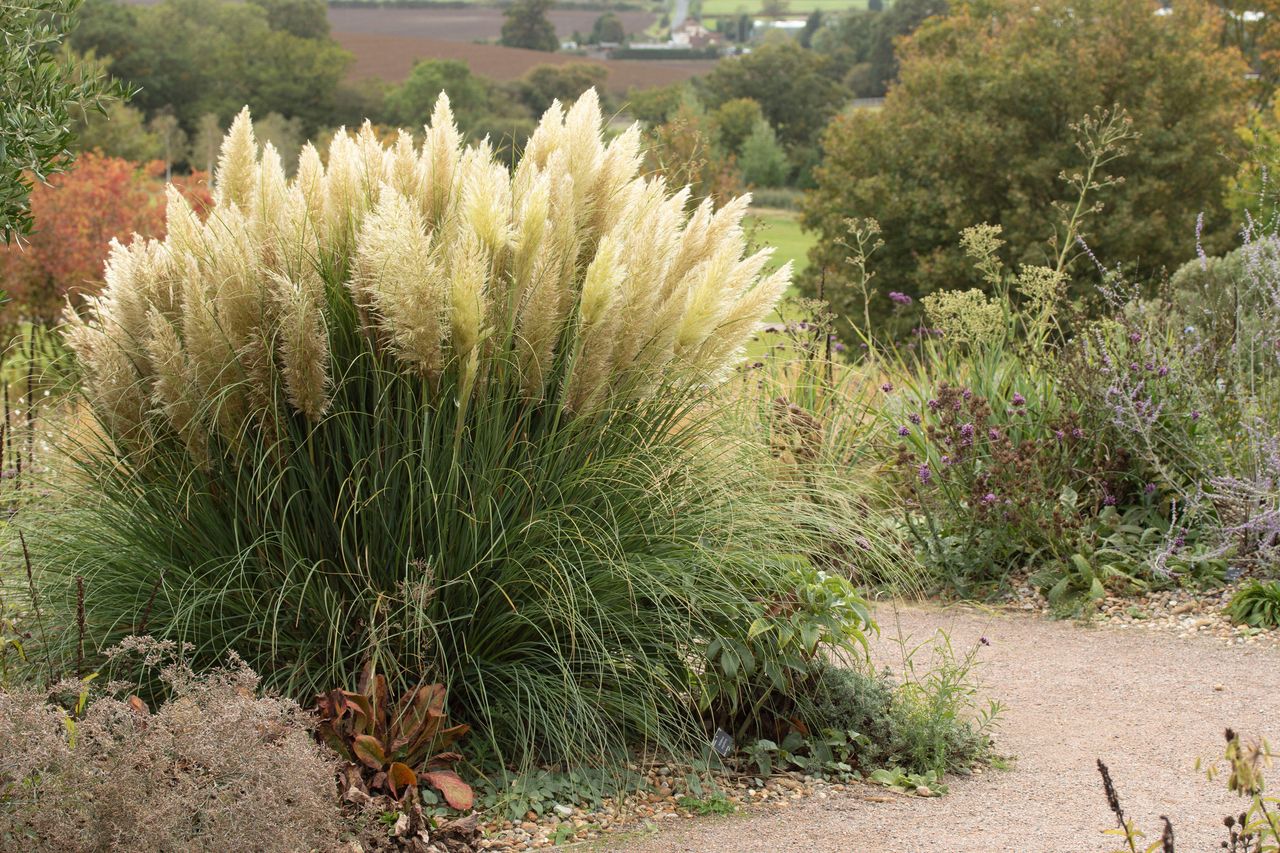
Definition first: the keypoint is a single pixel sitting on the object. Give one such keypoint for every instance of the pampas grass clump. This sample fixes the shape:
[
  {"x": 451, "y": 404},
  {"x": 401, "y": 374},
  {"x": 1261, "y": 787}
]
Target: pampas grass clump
[{"x": 413, "y": 409}]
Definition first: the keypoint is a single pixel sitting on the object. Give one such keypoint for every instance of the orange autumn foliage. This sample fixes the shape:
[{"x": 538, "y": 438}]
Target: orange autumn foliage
[{"x": 76, "y": 215}]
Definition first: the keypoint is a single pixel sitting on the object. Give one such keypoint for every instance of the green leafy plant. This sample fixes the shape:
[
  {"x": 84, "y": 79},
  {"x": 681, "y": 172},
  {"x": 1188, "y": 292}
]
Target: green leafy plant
[
  {"x": 394, "y": 747},
  {"x": 716, "y": 803},
  {"x": 1257, "y": 605},
  {"x": 927, "y": 784}
]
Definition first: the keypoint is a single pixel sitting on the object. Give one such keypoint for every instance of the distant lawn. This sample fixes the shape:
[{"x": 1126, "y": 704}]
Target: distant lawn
[
  {"x": 781, "y": 229},
  {"x": 796, "y": 8}
]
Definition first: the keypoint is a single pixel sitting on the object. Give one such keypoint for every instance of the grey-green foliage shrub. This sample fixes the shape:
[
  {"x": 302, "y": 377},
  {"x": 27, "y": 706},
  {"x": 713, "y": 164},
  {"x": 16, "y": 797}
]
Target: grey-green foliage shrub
[{"x": 415, "y": 408}]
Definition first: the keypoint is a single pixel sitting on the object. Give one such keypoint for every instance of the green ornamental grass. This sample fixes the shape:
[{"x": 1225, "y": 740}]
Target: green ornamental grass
[{"x": 466, "y": 423}]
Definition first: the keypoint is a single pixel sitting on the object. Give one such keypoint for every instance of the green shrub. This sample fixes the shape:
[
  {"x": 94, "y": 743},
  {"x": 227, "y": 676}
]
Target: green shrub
[
  {"x": 1257, "y": 605},
  {"x": 417, "y": 411}
]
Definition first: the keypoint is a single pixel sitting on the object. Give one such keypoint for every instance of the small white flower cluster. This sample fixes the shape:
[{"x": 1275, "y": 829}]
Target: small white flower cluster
[{"x": 449, "y": 259}]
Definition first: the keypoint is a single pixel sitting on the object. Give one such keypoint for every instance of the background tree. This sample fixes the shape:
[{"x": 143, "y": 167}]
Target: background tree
[
  {"x": 608, "y": 29},
  {"x": 306, "y": 19},
  {"x": 543, "y": 84},
  {"x": 39, "y": 91},
  {"x": 763, "y": 162},
  {"x": 119, "y": 131},
  {"x": 977, "y": 130},
  {"x": 410, "y": 103},
  {"x": 77, "y": 213},
  {"x": 210, "y": 56},
  {"x": 735, "y": 120},
  {"x": 526, "y": 25},
  {"x": 793, "y": 86},
  {"x": 684, "y": 151},
  {"x": 862, "y": 44}
]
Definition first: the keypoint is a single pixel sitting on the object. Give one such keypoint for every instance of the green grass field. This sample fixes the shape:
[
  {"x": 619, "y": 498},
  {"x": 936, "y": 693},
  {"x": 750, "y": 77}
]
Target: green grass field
[
  {"x": 781, "y": 229},
  {"x": 796, "y": 8}
]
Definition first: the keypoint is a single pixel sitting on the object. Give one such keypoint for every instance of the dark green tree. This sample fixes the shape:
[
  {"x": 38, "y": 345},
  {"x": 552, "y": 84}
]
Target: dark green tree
[
  {"x": 793, "y": 86},
  {"x": 978, "y": 130},
  {"x": 543, "y": 84},
  {"x": 41, "y": 92},
  {"x": 410, "y": 103},
  {"x": 308, "y": 19},
  {"x": 526, "y": 25},
  {"x": 212, "y": 56},
  {"x": 608, "y": 28}
]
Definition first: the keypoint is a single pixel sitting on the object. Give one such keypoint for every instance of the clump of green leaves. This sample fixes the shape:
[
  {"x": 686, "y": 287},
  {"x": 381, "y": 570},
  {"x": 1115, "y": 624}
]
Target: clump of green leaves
[
  {"x": 1257, "y": 605},
  {"x": 38, "y": 90},
  {"x": 714, "y": 803}
]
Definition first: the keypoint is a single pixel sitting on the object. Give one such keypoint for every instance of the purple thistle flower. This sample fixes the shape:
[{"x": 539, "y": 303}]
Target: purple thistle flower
[
  {"x": 1018, "y": 399},
  {"x": 1133, "y": 366},
  {"x": 1135, "y": 337},
  {"x": 933, "y": 405},
  {"x": 925, "y": 474},
  {"x": 946, "y": 460},
  {"x": 1163, "y": 371},
  {"x": 1077, "y": 433},
  {"x": 904, "y": 431},
  {"x": 989, "y": 498},
  {"x": 914, "y": 417},
  {"x": 967, "y": 394},
  {"x": 838, "y": 347},
  {"x": 1109, "y": 500},
  {"x": 1150, "y": 488},
  {"x": 899, "y": 297},
  {"x": 966, "y": 434},
  {"x": 1059, "y": 434},
  {"x": 886, "y": 387},
  {"x": 1195, "y": 414},
  {"x": 1150, "y": 366},
  {"x": 993, "y": 434}
]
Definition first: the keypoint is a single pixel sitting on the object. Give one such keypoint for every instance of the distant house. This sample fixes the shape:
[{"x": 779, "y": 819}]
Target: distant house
[{"x": 693, "y": 35}]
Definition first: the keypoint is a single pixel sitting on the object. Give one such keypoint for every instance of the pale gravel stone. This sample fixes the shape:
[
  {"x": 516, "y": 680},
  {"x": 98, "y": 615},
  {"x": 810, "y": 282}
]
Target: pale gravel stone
[{"x": 1145, "y": 702}]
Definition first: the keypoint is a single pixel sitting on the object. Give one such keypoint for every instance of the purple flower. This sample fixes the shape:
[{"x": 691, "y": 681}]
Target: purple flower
[
  {"x": 838, "y": 347},
  {"x": 946, "y": 460},
  {"x": 1135, "y": 337},
  {"x": 864, "y": 543},
  {"x": 1077, "y": 433},
  {"x": 989, "y": 498},
  {"x": 966, "y": 434},
  {"x": 984, "y": 641},
  {"x": 933, "y": 405},
  {"x": 904, "y": 430},
  {"x": 1018, "y": 399},
  {"x": 925, "y": 474},
  {"x": 1133, "y": 366},
  {"x": 1109, "y": 500},
  {"x": 886, "y": 387},
  {"x": 993, "y": 434},
  {"x": 1195, "y": 414},
  {"x": 1150, "y": 488},
  {"x": 1059, "y": 434},
  {"x": 1163, "y": 371},
  {"x": 756, "y": 365},
  {"x": 1150, "y": 365},
  {"x": 914, "y": 418},
  {"x": 967, "y": 394},
  {"x": 900, "y": 298}
]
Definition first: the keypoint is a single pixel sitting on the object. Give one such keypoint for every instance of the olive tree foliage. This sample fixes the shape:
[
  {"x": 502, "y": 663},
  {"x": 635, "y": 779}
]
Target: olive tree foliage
[
  {"x": 40, "y": 89},
  {"x": 979, "y": 129}
]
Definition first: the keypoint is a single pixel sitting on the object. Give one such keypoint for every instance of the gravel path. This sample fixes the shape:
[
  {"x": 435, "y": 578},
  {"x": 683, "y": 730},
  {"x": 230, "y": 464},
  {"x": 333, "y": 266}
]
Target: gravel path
[{"x": 1148, "y": 704}]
